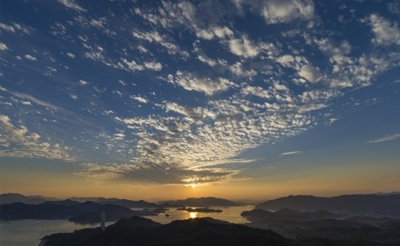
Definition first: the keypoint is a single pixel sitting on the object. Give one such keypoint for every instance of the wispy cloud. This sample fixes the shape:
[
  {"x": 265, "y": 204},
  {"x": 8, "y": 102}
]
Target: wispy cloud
[
  {"x": 18, "y": 141},
  {"x": 193, "y": 82},
  {"x": 72, "y": 5},
  {"x": 3, "y": 46},
  {"x": 385, "y": 138},
  {"x": 291, "y": 153},
  {"x": 34, "y": 100}
]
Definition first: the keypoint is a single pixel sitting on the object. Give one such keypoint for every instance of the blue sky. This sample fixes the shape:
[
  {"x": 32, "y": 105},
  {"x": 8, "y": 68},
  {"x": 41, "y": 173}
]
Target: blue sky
[{"x": 206, "y": 93}]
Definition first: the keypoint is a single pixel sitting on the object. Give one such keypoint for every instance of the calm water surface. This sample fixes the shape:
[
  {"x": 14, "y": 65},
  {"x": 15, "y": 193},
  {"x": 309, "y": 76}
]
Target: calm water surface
[
  {"x": 29, "y": 232},
  {"x": 230, "y": 214}
]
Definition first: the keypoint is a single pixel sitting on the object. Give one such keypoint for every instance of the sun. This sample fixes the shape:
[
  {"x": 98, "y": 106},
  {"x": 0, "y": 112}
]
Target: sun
[
  {"x": 193, "y": 185},
  {"x": 193, "y": 215}
]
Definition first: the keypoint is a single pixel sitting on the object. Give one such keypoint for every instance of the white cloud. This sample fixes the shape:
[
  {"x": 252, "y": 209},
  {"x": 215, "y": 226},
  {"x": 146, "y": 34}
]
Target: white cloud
[
  {"x": 243, "y": 47},
  {"x": 3, "y": 46},
  {"x": 386, "y": 32},
  {"x": 155, "y": 66},
  {"x": 72, "y": 5},
  {"x": 34, "y": 100},
  {"x": 6, "y": 27},
  {"x": 286, "y": 60},
  {"x": 207, "y": 60},
  {"x": 291, "y": 153},
  {"x": 17, "y": 141},
  {"x": 132, "y": 65},
  {"x": 256, "y": 91},
  {"x": 386, "y": 138},
  {"x": 96, "y": 54},
  {"x": 82, "y": 82},
  {"x": 162, "y": 40},
  {"x": 310, "y": 73},
  {"x": 71, "y": 55},
  {"x": 214, "y": 32},
  {"x": 30, "y": 58},
  {"x": 16, "y": 27},
  {"x": 192, "y": 82},
  {"x": 238, "y": 70},
  {"x": 281, "y": 11},
  {"x": 140, "y": 99}
]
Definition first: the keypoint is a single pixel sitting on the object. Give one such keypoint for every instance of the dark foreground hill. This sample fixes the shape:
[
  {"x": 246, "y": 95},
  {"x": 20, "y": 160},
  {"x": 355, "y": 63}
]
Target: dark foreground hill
[
  {"x": 140, "y": 231},
  {"x": 372, "y": 205},
  {"x": 195, "y": 232}
]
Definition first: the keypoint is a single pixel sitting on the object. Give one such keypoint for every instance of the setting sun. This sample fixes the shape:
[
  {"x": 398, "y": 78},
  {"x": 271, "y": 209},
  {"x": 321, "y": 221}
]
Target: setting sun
[{"x": 193, "y": 215}]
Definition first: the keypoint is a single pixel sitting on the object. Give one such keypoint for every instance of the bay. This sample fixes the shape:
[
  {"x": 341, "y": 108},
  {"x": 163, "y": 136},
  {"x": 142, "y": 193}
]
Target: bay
[{"x": 29, "y": 232}]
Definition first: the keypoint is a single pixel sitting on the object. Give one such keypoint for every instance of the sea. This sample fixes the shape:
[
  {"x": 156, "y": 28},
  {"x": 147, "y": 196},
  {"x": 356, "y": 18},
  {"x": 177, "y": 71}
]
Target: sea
[{"x": 29, "y": 232}]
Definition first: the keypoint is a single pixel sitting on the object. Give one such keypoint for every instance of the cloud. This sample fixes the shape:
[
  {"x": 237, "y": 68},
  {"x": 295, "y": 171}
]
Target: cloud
[
  {"x": 386, "y": 32},
  {"x": 132, "y": 65},
  {"x": 310, "y": 73},
  {"x": 208, "y": 86},
  {"x": 71, "y": 55},
  {"x": 256, "y": 91},
  {"x": 3, "y": 46},
  {"x": 17, "y": 141},
  {"x": 16, "y": 27},
  {"x": 34, "y": 100},
  {"x": 162, "y": 40},
  {"x": 165, "y": 174},
  {"x": 30, "y": 58},
  {"x": 386, "y": 138},
  {"x": 140, "y": 99},
  {"x": 291, "y": 153},
  {"x": 155, "y": 66},
  {"x": 243, "y": 47},
  {"x": 282, "y": 11},
  {"x": 82, "y": 82},
  {"x": 214, "y": 32},
  {"x": 72, "y": 5}
]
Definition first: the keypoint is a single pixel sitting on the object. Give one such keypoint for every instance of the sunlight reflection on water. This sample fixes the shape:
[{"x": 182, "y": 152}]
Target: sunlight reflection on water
[
  {"x": 230, "y": 214},
  {"x": 193, "y": 215}
]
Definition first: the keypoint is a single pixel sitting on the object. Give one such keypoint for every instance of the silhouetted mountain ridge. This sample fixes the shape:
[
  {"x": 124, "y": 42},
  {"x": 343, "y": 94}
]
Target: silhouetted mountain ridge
[
  {"x": 84, "y": 213},
  {"x": 376, "y": 205},
  {"x": 286, "y": 214},
  {"x": 9, "y": 198},
  {"x": 325, "y": 224},
  {"x": 117, "y": 201}
]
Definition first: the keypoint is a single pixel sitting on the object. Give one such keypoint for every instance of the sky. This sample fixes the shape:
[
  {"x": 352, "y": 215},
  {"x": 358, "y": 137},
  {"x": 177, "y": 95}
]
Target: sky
[{"x": 241, "y": 99}]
